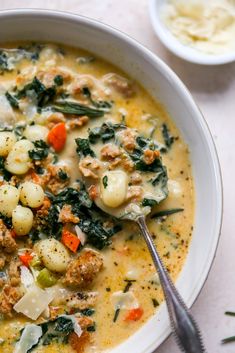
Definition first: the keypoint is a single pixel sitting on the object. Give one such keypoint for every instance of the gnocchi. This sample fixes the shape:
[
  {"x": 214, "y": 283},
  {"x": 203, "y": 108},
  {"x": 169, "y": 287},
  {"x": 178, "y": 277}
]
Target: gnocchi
[
  {"x": 53, "y": 254},
  {"x": 7, "y": 140},
  {"x": 31, "y": 194},
  {"x": 36, "y": 132},
  {"x": 9, "y": 198},
  {"x": 114, "y": 188},
  {"x": 18, "y": 161},
  {"x": 22, "y": 220}
]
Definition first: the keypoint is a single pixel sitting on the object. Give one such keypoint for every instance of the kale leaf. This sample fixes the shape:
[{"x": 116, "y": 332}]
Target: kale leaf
[
  {"x": 104, "y": 133},
  {"x": 168, "y": 138},
  {"x": 58, "y": 79},
  {"x": 149, "y": 202},
  {"x": 83, "y": 148},
  {"x": 40, "y": 152},
  {"x": 6, "y": 175},
  {"x": 12, "y": 100},
  {"x": 68, "y": 107},
  {"x": 3, "y": 62}
]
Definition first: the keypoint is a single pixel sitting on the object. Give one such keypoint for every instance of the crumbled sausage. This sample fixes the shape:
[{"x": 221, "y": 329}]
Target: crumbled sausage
[
  {"x": 54, "y": 183},
  {"x": 135, "y": 178},
  {"x": 150, "y": 156},
  {"x": 75, "y": 122},
  {"x": 110, "y": 151},
  {"x": 47, "y": 77},
  {"x": 55, "y": 118},
  {"x": 7, "y": 242},
  {"x": 9, "y": 296},
  {"x": 14, "y": 271},
  {"x": 134, "y": 193},
  {"x": 83, "y": 270},
  {"x": 89, "y": 166},
  {"x": 128, "y": 139},
  {"x": 66, "y": 215},
  {"x": 120, "y": 84}
]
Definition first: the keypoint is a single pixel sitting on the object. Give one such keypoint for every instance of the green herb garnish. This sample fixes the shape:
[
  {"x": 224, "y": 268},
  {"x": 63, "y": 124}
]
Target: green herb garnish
[
  {"x": 58, "y": 80},
  {"x": 168, "y": 139},
  {"x": 169, "y": 212},
  {"x": 12, "y": 100},
  {"x": 105, "y": 181}
]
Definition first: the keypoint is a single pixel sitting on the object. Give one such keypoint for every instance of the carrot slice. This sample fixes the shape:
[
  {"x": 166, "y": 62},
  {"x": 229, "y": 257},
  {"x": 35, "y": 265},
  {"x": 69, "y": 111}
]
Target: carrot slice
[
  {"x": 57, "y": 137},
  {"x": 26, "y": 258},
  {"x": 70, "y": 240},
  {"x": 134, "y": 314}
]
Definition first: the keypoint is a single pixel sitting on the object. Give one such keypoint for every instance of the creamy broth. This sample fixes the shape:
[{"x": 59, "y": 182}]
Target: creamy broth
[{"x": 126, "y": 260}]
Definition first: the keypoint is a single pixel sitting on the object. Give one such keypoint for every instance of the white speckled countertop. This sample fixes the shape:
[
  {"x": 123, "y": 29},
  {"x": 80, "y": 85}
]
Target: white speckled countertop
[{"x": 214, "y": 90}]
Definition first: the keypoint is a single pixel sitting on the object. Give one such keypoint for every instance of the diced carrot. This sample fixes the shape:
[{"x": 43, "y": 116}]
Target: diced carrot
[
  {"x": 134, "y": 314},
  {"x": 26, "y": 258},
  {"x": 57, "y": 137},
  {"x": 70, "y": 240},
  {"x": 93, "y": 192}
]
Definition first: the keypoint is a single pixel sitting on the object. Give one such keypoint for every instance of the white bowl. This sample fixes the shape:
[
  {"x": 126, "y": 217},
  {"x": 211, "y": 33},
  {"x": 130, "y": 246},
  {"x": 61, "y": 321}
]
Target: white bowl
[
  {"x": 176, "y": 47},
  {"x": 163, "y": 84}
]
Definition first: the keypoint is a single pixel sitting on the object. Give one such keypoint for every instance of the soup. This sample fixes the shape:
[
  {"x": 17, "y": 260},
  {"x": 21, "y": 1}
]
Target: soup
[{"x": 72, "y": 277}]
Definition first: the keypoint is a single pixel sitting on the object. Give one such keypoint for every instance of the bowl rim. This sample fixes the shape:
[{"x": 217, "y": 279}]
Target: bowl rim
[
  {"x": 178, "y": 85},
  {"x": 176, "y": 47}
]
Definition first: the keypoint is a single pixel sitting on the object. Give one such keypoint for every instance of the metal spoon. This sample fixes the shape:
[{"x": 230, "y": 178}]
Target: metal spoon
[{"x": 184, "y": 327}]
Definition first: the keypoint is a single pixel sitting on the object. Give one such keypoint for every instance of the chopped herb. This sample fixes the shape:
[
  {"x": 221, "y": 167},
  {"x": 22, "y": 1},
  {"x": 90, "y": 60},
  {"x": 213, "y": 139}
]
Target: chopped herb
[
  {"x": 6, "y": 175},
  {"x": 91, "y": 328},
  {"x": 6, "y": 220},
  {"x": 230, "y": 313},
  {"x": 40, "y": 152},
  {"x": 105, "y": 181},
  {"x": 57, "y": 330},
  {"x": 58, "y": 80},
  {"x": 155, "y": 302},
  {"x": 88, "y": 312},
  {"x": 128, "y": 285},
  {"x": 149, "y": 202},
  {"x": 19, "y": 130},
  {"x": 84, "y": 147},
  {"x": 3, "y": 62},
  {"x": 116, "y": 314},
  {"x": 164, "y": 213},
  {"x": 68, "y": 107},
  {"x": 12, "y": 100},
  {"x": 228, "y": 340},
  {"x": 63, "y": 175},
  {"x": 168, "y": 139}
]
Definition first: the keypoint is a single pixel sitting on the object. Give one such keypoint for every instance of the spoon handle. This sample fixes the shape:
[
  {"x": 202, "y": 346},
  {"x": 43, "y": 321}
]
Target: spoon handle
[{"x": 185, "y": 329}]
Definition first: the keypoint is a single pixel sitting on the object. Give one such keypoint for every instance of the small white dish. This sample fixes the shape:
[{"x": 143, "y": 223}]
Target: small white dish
[{"x": 179, "y": 49}]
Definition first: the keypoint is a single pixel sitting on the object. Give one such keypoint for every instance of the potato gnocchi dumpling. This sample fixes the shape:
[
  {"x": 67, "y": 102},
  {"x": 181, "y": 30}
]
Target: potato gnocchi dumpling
[
  {"x": 22, "y": 220},
  {"x": 31, "y": 194},
  {"x": 9, "y": 198},
  {"x": 7, "y": 140},
  {"x": 18, "y": 161}
]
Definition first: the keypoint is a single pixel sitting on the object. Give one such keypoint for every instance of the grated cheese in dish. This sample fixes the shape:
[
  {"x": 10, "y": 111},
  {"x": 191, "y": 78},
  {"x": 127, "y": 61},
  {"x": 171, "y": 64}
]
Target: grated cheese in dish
[{"x": 207, "y": 26}]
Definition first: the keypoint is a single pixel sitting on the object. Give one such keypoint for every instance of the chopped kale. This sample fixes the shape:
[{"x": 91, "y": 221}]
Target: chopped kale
[
  {"x": 58, "y": 80},
  {"x": 104, "y": 133},
  {"x": 6, "y": 175},
  {"x": 83, "y": 148},
  {"x": 68, "y": 107},
  {"x": 149, "y": 202},
  {"x": 98, "y": 104},
  {"x": 105, "y": 181},
  {"x": 168, "y": 139},
  {"x": 88, "y": 312},
  {"x": 155, "y": 302},
  {"x": 63, "y": 175},
  {"x": 6, "y": 220},
  {"x": 19, "y": 130},
  {"x": 37, "y": 90},
  {"x": 91, "y": 328},
  {"x": 128, "y": 285},
  {"x": 165, "y": 213},
  {"x": 40, "y": 152},
  {"x": 12, "y": 100},
  {"x": 3, "y": 62}
]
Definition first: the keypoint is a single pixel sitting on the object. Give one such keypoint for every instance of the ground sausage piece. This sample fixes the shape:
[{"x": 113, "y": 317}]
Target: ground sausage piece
[
  {"x": 88, "y": 167},
  {"x": 81, "y": 300},
  {"x": 150, "y": 156},
  {"x": 7, "y": 243},
  {"x": 128, "y": 139},
  {"x": 66, "y": 215},
  {"x": 82, "y": 271},
  {"x": 110, "y": 151},
  {"x": 120, "y": 84},
  {"x": 14, "y": 272},
  {"x": 9, "y": 296}
]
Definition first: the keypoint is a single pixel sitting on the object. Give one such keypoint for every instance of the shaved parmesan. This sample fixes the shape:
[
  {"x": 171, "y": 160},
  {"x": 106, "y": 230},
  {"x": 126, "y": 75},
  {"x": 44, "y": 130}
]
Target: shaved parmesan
[
  {"x": 174, "y": 187},
  {"x": 26, "y": 277},
  {"x": 122, "y": 300},
  {"x": 29, "y": 338},
  {"x": 132, "y": 274},
  {"x": 76, "y": 326},
  {"x": 34, "y": 302}
]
